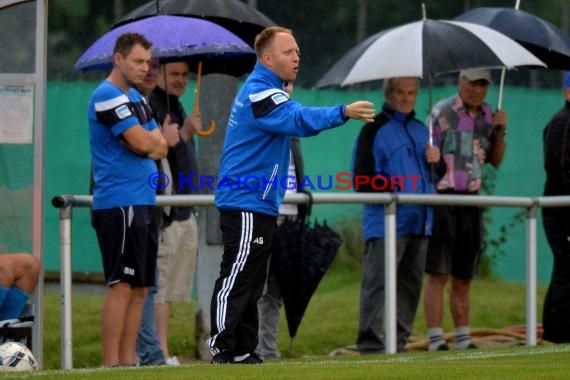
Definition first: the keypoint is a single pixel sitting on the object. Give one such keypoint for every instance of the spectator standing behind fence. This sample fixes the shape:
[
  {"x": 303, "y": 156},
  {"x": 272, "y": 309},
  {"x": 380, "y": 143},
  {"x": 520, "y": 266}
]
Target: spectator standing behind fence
[
  {"x": 178, "y": 241},
  {"x": 394, "y": 144},
  {"x": 148, "y": 345},
  {"x": 19, "y": 274},
  {"x": 470, "y": 135},
  {"x": 556, "y": 313},
  {"x": 125, "y": 140},
  {"x": 270, "y": 303},
  {"x": 257, "y": 144}
]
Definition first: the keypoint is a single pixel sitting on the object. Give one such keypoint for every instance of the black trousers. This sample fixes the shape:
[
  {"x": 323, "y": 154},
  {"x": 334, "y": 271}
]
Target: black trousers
[
  {"x": 248, "y": 242},
  {"x": 556, "y": 313}
]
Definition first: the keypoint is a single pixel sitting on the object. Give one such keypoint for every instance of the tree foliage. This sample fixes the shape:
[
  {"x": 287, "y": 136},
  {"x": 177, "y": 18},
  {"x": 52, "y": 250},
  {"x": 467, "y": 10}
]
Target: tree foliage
[{"x": 325, "y": 29}]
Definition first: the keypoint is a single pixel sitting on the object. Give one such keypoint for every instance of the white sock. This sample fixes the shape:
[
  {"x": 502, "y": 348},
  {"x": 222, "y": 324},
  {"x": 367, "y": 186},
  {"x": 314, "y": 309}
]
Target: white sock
[
  {"x": 435, "y": 335},
  {"x": 462, "y": 337}
]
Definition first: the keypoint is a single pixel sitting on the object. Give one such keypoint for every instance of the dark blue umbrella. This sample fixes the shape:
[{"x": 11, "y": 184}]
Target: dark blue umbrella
[
  {"x": 543, "y": 39},
  {"x": 178, "y": 38}
]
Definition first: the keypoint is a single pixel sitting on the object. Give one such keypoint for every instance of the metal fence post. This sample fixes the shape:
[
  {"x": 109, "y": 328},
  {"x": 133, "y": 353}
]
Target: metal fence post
[
  {"x": 531, "y": 281},
  {"x": 65, "y": 216},
  {"x": 390, "y": 276}
]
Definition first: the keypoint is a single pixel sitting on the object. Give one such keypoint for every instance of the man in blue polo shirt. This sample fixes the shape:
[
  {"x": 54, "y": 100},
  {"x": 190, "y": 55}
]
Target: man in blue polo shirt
[{"x": 125, "y": 141}]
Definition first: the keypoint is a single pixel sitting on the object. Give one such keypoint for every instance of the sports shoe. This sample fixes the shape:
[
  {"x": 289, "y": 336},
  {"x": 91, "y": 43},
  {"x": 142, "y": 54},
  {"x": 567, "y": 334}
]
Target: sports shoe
[
  {"x": 442, "y": 347},
  {"x": 247, "y": 359},
  {"x": 17, "y": 322},
  {"x": 222, "y": 358},
  {"x": 173, "y": 361}
]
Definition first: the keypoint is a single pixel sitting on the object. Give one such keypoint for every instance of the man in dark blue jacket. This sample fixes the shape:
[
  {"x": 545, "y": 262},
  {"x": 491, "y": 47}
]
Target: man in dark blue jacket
[
  {"x": 254, "y": 163},
  {"x": 392, "y": 154}
]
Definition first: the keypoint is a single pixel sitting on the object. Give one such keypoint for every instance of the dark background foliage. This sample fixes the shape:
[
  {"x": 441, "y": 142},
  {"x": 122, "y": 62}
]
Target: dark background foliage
[{"x": 325, "y": 29}]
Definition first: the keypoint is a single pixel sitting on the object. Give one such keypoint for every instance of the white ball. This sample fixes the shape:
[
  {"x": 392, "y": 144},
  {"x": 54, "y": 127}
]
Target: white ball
[{"x": 15, "y": 356}]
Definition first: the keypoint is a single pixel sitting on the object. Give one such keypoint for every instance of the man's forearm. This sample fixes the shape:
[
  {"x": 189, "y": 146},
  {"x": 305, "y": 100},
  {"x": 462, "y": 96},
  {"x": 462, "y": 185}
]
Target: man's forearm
[
  {"x": 498, "y": 153},
  {"x": 158, "y": 147}
]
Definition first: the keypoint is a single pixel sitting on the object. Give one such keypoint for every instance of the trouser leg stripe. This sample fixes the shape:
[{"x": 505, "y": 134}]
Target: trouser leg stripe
[{"x": 241, "y": 258}]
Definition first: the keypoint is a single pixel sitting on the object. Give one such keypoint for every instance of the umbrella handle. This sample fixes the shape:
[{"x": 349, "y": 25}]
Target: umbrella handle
[
  {"x": 501, "y": 86},
  {"x": 197, "y": 91},
  {"x": 196, "y": 108},
  {"x": 208, "y": 131},
  {"x": 432, "y": 173}
]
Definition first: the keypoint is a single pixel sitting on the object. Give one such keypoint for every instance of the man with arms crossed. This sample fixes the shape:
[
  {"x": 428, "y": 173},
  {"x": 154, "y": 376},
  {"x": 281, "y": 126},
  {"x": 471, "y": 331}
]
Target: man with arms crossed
[
  {"x": 124, "y": 141},
  {"x": 178, "y": 246}
]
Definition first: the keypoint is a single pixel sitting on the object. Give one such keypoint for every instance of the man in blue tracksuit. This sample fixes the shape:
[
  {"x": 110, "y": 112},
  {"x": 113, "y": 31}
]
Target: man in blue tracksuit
[
  {"x": 392, "y": 154},
  {"x": 254, "y": 162}
]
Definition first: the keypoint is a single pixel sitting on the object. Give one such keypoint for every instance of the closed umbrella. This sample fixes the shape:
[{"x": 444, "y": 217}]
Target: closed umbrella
[{"x": 303, "y": 255}]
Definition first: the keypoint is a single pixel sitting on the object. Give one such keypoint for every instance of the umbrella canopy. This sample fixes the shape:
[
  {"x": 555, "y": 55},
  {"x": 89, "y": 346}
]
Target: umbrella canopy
[
  {"x": 236, "y": 16},
  {"x": 302, "y": 257},
  {"x": 425, "y": 48},
  {"x": 545, "y": 40},
  {"x": 176, "y": 38}
]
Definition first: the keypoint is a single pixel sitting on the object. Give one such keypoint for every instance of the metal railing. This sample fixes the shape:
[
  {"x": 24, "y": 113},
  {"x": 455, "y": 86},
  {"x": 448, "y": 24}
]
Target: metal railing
[{"x": 390, "y": 202}]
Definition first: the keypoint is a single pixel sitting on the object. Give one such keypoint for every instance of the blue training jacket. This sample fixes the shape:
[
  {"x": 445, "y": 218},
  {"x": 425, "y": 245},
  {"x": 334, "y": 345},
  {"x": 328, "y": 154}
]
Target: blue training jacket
[
  {"x": 397, "y": 147},
  {"x": 255, "y": 158}
]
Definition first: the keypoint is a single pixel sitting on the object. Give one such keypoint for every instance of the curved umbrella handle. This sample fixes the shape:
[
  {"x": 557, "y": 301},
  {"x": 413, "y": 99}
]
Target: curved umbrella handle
[
  {"x": 212, "y": 125},
  {"x": 209, "y": 131}
]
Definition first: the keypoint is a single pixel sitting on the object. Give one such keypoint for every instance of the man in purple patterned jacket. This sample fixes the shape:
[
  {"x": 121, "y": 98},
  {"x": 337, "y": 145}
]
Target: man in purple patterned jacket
[{"x": 470, "y": 135}]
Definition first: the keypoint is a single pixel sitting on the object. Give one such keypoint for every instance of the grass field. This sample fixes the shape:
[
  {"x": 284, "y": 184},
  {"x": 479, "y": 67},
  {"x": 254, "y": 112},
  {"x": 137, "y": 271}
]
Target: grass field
[
  {"x": 520, "y": 363},
  {"x": 330, "y": 323}
]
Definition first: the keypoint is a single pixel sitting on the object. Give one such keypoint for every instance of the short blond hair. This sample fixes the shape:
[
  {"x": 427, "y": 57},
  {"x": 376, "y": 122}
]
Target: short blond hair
[{"x": 265, "y": 37}]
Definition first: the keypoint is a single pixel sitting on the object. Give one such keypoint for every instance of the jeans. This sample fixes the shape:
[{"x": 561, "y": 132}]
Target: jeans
[{"x": 148, "y": 346}]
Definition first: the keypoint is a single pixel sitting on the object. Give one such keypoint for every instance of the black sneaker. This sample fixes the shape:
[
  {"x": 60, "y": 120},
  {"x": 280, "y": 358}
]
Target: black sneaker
[
  {"x": 249, "y": 359},
  {"x": 222, "y": 358}
]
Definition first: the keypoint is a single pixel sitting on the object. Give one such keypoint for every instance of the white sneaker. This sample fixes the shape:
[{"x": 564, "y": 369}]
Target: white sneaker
[
  {"x": 16, "y": 323},
  {"x": 173, "y": 361}
]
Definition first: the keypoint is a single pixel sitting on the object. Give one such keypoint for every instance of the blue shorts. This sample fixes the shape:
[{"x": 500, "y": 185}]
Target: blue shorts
[
  {"x": 128, "y": 240},
  {"x": 455, "y": 246}
]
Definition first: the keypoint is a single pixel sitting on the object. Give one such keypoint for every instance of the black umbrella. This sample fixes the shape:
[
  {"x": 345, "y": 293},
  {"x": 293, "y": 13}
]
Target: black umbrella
[
  {"x": 543, "y": 39},
  {"x": 238, "y": 17},
  {"x": 302, "y": 257}
]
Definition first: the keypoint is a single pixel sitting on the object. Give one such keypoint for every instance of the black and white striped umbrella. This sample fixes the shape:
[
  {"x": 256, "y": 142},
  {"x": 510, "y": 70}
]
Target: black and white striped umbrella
[{"x": 425, "y": 48}]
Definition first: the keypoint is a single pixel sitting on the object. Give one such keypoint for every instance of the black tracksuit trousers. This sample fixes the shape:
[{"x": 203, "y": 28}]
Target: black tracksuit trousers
[{"x": 248, "y": 242}]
